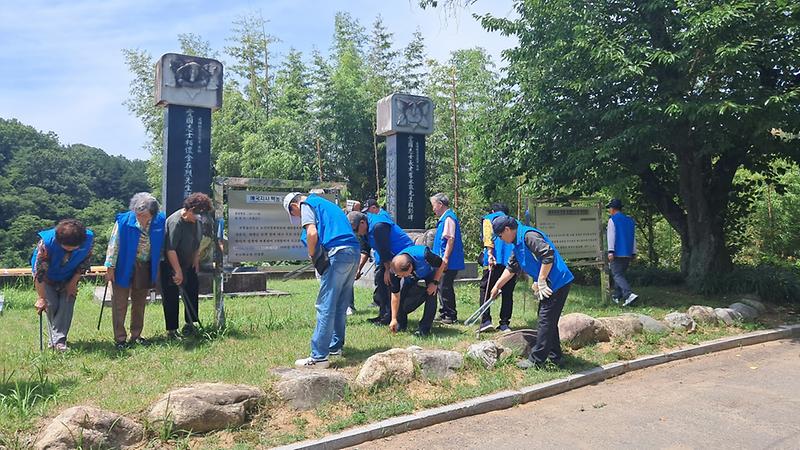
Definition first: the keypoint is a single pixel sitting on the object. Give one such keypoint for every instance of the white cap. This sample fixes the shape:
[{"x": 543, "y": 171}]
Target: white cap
[{"x": 286, "y": 201}]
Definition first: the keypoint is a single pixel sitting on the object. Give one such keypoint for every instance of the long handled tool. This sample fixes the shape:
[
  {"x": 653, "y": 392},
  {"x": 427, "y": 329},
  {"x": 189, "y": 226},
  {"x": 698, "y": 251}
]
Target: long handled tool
[
  {"x": 296, "y": 272},
  {"x": 41, "y": 337},
  {"x": 188, "y": 305},
  {"x": 102, "y": 305},
  {"x": 487, "y": 303}
]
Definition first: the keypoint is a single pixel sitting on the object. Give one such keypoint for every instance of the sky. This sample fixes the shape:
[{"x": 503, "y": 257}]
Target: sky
[{"x": 64, "y": 71}]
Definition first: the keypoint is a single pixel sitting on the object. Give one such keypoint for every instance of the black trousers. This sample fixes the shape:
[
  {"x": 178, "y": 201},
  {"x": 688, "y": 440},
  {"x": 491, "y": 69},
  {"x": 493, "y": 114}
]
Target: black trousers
[
  {"x": 412, "y": 296},
  {"x": 170, "y": 295},
  {"x": 548, "y": 342},
  {"x": 381, "y": 295},
  {"x": 507, "y": 305},
  {"x": 447, "y": 295}
]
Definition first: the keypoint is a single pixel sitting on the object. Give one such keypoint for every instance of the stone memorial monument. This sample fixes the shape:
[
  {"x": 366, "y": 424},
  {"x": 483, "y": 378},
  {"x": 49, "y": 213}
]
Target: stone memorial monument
[
  {"x": 190, "y": 88},
  {"x": 405, "y": 120}
]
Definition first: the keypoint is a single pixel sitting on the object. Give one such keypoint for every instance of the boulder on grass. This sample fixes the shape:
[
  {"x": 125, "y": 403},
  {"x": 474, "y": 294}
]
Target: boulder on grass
[
  {"x": 649, "y": 324},
  {"x": 206, "y": 407},
  {"x": 436, "y": 363},
  {"x": 728, "y": 316},
  {"x": 307, "y": 389},
  {"x": 89, "y": 427},
  {"x": 392, "y": 366},
  {"x": 579, "y": 330},
  {"x": 519, "y": 342},
  {"x": 680, "y": 321},
  {"x": 754, "y": 301},
  {"x": 487, "y": 353},
  {"x": 747, "y": 312},
  {"x": 621, "y": 327},
  {"x": 702, "y": 314}
]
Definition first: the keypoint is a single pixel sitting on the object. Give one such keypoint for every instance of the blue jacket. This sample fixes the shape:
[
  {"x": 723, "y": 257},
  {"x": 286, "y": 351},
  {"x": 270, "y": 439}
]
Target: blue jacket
[
  {"x": 333, "y": 227},
  {"x": 560, "y": 274},
  {"x": 624, "y": 228},
  {"x": 440, "y": 244},
  {"x": 128, "y": 244},
  {"x": 398, "y": 239},
  {"x": 502, "y": 249},
  {"x": 59, "y": 270},
  {"x": 422, "y": 268}
]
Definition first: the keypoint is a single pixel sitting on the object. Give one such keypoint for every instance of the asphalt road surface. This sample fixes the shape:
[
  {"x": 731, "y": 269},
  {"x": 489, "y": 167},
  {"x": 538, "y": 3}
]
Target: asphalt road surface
[{"x": 747, "y": 398}]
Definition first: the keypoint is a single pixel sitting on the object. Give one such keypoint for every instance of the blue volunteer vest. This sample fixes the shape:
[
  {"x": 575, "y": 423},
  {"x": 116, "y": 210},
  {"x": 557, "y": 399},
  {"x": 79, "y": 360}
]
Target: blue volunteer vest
[
  {"x": 623, "y": 234},
  {"x": 502, "y": 249},
  {"x": 128, "y": 244},
  {"x": 440, "y": 244},
  {"x": 60, "y": 270},
  {"x": 422, "y": 269},
  {"x": 332, "y": 225},
  {"x": 398, "y": 239},
  {"x": 559, "y": 276}
]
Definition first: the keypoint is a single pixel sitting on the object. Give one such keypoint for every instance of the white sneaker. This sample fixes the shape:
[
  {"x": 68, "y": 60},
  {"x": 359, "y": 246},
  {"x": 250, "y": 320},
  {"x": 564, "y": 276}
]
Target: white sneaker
[
  {"x": 349, "y": 311},
  {"x": 335, "y": 353},
  {"x": 631, "y": 298},
  {"x": 311, "y": 363}
]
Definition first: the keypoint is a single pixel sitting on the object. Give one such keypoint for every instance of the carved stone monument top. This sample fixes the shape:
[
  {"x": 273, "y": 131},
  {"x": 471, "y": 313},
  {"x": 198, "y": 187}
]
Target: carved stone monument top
[
  {"x": 188, "y": 81},
  {"x": 404, "y": 113}
]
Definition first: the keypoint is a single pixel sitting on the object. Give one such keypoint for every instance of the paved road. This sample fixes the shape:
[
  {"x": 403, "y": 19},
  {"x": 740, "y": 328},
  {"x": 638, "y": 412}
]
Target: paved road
[{"x": 742, "y": 398}]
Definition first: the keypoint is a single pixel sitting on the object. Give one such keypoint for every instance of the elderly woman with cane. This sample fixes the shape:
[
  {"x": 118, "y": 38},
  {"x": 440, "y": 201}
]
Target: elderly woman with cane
[
  {"x": 63, "y": 254},
  {"x": 132, "y": 259}
]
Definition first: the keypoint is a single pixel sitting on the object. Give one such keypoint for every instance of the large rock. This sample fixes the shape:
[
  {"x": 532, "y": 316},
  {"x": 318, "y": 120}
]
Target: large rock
[
  {"x": 579, "y": 330},
  {"x": 307, "y": 389},
  {"x": 392, "y": 366},
  {"x": 206, "y": 406},
  {"x": 727, "y": 316},
  {"x": 487, "y": 353},
  {"x": 680, "y": 321},
  {"x": 649, "y": 325},
  {"x": 519, "y": 342},
  {"x": 621, "y": 326},
  {"x": 747, "y": 312},
  {"x": 754, "y": 301},
  {"x": 436, "y": 363},
  {"x": 89, "y": 427},
  {"x": 702, "y": 314}
]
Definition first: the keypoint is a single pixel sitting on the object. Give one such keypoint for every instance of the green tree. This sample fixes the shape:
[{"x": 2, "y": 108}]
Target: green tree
[
  {"x": 250, "y": 51},
  {"x": 412, "y": 67},
  {"x": 679, "y": 94}
]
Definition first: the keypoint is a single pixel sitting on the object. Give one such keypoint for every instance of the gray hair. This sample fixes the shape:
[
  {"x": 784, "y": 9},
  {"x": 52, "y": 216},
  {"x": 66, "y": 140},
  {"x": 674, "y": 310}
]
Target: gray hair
[
  {"x": 144, "y": 201},
  {"x": 441, "y": 198}
]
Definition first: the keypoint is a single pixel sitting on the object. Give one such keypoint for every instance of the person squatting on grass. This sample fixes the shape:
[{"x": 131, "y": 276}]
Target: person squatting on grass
[
  {"x": 182, "y": 263},
  {"x": 132, "y": 260},
  {"x": 333, "y": 248},
  {"x": 447, "y": 244},
  {"x": 413, "y": 265},
  {"x": 494, "y": 261},
  {"x": 63, "y": 254},
  {"x": 535, "y": 253}
]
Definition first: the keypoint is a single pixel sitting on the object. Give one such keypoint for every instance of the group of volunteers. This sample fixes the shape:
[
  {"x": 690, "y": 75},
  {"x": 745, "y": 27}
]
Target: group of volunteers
[{"x": 144, "y": 243}]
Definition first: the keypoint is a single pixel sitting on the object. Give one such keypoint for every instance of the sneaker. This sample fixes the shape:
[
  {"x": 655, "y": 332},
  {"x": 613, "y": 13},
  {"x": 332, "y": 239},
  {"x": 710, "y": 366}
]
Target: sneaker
[
  {"x": 350, "y": 311},
  {"x": 449, "y": 320},
  {"x": 615, "y": 299},
  {"x": 121, "y": 345},
  {"x": 486, "y": 326},
  {"x": 526, "y": 364},
  {"x": 61, "y": 347},
  {"x": 174, "y": 336},
  {"x": 504, "y": 328},
  {"x": 631, "y": 298},
  {"x": 379, "y": 321},
  {"x": 335, "y": 353},
  {"x": 422, "y": 333},
  {"x": 188, "y": 330},
  {"x": 311, "y": 363},
  {"x": 140, "y": 341}
]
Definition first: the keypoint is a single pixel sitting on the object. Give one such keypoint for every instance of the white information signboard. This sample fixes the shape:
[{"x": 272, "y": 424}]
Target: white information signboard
[
  {"x": 259, "y": 228},
  {"x": 574, "y": 231}
]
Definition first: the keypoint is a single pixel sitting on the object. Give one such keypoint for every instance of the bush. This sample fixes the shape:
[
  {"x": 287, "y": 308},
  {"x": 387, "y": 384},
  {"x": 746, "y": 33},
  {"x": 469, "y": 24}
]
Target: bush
[
  {"x": 653, "y": 276},
  {"x": 772, "y": 282}
]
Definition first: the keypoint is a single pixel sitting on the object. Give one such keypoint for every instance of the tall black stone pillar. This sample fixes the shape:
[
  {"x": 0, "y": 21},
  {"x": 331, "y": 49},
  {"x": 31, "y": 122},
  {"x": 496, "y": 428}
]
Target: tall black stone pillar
[{"x": 405, "y": 120}]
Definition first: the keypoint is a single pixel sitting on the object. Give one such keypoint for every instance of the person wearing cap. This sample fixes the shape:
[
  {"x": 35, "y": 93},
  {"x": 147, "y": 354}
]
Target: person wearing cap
[
  {"x": 411, "y": 267},
  {"x": 387, "y": 239},
  {"x": 535, "y": 253},
  {"x": 333, "y": 248},
  {"x": 181, "y": 264},
  {"x": 495, "y": 258},
  {"x": 371, "y": 207},
  {"x": 621, "y": 235},
  {"x": 447, "y": 244}
]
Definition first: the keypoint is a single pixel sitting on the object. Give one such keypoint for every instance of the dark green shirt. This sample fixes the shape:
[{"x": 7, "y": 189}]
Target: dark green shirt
[{"x": 183, "y": 237}]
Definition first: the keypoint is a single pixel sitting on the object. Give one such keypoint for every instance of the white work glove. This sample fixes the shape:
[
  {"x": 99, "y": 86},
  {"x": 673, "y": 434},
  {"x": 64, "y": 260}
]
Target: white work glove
[{"x": 543, "y": 290}]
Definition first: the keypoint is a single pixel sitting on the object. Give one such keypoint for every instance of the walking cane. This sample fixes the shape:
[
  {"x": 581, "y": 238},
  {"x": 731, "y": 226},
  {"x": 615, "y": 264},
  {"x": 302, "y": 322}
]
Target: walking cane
[
  {"x": 102, "y": 305},
  {"x": 41, "y": 339},
  {"x": 188, "y": 306},
  {"x": 486, "y": 304}
]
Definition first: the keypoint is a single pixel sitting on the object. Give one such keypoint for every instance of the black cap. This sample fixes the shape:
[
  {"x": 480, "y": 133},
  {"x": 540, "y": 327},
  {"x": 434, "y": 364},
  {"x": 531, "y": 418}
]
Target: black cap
[
  {"x": 615, "y": 203},
  {"x": 500, "y": 223},
  {"x": 368, "y": 203}
]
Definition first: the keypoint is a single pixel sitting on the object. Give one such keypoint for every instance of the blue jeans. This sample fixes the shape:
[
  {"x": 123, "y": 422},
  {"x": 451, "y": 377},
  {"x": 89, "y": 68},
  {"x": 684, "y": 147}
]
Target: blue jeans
[
  {"x": 335, "y": 291},
  {"x": 618, "y": 267}
]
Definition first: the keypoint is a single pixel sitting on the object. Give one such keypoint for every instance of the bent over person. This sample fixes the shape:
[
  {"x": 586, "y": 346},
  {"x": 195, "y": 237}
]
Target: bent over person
[
  {"x": 413, "y": 266},
  {"x": 535, "y": 253},
  {"x": 63, "y": 254}
]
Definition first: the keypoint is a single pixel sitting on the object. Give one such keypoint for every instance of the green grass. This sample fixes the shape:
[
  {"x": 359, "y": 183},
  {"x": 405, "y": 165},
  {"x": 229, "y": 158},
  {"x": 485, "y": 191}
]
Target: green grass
[{"x": 265, "y": 333}]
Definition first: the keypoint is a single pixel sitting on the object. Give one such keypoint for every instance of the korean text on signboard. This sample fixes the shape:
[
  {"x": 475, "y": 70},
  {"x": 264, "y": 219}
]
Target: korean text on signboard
[
  {"x": 574, "y": 231},
  {"x": 259, "y": 229}
]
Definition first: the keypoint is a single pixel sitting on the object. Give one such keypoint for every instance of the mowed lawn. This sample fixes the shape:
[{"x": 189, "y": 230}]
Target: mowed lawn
[{"x": 270, "y": 332}]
